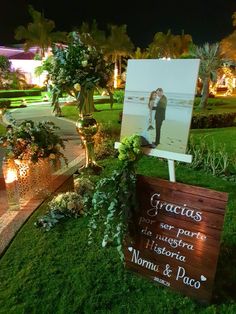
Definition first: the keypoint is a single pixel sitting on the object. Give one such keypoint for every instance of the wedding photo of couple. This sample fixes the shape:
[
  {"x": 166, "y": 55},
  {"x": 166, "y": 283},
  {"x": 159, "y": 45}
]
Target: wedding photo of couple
[
  {"x": 158, "y": 103},
  {"x": 157, "y": 109}
]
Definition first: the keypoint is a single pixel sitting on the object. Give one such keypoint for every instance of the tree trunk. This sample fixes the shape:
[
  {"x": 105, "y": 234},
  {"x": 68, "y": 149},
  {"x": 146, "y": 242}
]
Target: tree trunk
[
  {"x": 205, "y": 93},
  {"x": 111, "y": 97},
  {"x": 55, "y": 103}
]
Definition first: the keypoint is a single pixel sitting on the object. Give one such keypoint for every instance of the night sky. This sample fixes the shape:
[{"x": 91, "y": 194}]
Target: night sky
[{"x": 206, "y": 20}]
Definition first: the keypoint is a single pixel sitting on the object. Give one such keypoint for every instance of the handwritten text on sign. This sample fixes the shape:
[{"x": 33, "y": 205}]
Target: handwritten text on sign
[{"x": 177, "y": 235}]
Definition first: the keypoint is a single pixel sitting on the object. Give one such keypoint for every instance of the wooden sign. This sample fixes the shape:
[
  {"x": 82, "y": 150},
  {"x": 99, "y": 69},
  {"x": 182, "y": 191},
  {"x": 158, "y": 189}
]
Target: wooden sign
[{"x": 176, "y": 235}]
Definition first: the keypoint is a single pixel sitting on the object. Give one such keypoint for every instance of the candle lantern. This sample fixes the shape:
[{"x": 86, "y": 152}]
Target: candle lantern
[
  {"x": 11, "y": 181},
  {"x": 24, "y": 181}
]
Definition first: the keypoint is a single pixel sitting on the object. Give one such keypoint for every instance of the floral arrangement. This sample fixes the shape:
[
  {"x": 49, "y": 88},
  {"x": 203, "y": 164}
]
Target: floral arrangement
[
  {"x": 32, "y": 141},
  {"x": 69, "y": 204},
  {"x": 114, "y": 198},
  {"x": 130, "y": 149},
  {"x": 78, "y": 69}
]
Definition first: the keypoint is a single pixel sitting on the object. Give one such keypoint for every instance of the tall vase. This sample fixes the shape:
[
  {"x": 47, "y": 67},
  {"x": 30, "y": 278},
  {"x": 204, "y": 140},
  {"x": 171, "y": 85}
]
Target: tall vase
[{"x": 87, "y": 127}]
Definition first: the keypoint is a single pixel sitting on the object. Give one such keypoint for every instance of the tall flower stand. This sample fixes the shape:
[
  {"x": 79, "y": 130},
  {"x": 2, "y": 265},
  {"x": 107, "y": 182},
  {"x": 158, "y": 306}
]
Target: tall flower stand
[{"x": 87, "y": 127}]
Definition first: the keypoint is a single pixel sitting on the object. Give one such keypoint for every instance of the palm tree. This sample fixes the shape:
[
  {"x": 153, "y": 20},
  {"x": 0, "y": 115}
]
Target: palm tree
[
  {"x": 210, "y": 62},
  {"x": 228, "y": 44},
  {"x": 18, "y": 79},
  {"x": 39, "y": 32},
  {"x": 118, "y": 45},
  {"x": 139, "y": 54},
  {"x": 92, "y": 35},
  {"x": 169, "y": 45}
]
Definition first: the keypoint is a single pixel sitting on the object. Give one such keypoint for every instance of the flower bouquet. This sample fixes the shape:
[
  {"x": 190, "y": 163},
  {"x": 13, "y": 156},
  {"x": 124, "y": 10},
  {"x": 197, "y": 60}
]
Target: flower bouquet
[{"x": 69, "y": 204}]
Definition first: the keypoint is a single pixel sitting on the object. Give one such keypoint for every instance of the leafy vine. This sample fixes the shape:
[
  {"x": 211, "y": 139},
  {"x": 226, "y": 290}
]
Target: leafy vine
[{"x": 114, "y": 198}]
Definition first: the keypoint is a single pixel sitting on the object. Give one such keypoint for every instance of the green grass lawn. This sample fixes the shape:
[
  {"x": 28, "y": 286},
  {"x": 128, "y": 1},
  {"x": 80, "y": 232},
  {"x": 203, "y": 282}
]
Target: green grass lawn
[
  {"x": 104, "y": 113},
  {"x": 218, "y": 104},
  {"x": 222, "y": 137},
  {"x": 58, "y": 272}
]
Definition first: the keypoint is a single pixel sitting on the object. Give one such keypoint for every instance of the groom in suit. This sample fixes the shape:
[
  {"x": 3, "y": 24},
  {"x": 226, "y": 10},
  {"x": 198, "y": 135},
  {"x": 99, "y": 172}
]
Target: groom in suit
[{"x": 160, "y": 113}]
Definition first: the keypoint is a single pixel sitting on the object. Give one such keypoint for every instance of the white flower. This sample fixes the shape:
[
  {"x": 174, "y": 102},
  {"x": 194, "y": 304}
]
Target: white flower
[
  {"x": 84, "y": 63},
  {"x": 71, "y": 205},
  {"x": 77, "y": 87},
  {"x": 58, "y": 198}
]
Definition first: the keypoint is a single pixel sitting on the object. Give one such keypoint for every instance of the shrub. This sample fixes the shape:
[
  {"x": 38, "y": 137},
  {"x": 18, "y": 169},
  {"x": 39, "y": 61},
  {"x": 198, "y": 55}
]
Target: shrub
[
  {"x": 209, "y": 158},
  {"x": 19, "y": 93},
  {"x": 104, "y": 141},
  {"x": 213, "y": 120},
  {"x": 119, "y": 96},
  {"x": 5, "y": 104}
]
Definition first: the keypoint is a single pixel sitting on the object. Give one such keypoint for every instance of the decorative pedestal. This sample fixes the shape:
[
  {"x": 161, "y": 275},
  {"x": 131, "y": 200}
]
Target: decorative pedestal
[{"x": 87, "y": 127}]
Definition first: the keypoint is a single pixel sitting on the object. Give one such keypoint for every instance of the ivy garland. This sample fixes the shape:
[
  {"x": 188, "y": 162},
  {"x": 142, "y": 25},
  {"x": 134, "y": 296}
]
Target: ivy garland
[{"x": 114, "y": 198}]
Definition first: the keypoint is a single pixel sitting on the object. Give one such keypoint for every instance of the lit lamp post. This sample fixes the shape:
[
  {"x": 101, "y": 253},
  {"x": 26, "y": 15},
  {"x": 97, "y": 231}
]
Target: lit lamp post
[{"x": 11, "y": 181}]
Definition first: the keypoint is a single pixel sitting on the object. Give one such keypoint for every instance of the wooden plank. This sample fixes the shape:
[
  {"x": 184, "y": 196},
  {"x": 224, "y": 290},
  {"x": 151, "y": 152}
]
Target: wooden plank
[{"x": 176, "y": 235}]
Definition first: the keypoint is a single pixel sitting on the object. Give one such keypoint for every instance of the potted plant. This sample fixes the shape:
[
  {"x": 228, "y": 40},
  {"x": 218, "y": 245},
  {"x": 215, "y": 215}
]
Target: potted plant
[{"x": 34, "y": 148}]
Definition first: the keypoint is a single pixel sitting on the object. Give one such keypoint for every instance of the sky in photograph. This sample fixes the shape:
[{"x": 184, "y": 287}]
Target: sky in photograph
[{"x": 206, "y": 20}]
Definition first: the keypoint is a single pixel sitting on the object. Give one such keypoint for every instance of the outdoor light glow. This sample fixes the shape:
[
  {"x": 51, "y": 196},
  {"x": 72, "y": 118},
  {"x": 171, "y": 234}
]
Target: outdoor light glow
[
  {"x": 11, "y": 176},
  {"x": 28, "y": 68},
  {"x": 115, "y": 77}
]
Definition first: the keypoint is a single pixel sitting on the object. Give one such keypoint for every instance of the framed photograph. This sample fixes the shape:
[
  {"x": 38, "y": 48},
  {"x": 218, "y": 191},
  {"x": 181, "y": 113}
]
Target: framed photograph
[{"x": 158, "y": 103}]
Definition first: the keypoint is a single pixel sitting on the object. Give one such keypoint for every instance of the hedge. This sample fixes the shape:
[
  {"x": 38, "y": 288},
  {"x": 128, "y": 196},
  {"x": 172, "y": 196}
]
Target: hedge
[
  {"x": 19, "y": 93},
  {"x": 5, "y": 104},
  {"x": 213, "y": 120}
]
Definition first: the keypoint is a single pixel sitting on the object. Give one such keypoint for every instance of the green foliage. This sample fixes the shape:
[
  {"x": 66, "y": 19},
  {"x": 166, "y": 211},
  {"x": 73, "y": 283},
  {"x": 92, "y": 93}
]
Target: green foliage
[
  {"x": 114, "y": 198},
  {"x": 78, "y": 67},
  {"x": 19, "y": 93},
  {"x": 5, "y": 104},
  {"x": 104, "y": 141},
  {"x": 213, "y": 120},
  {"x": 5, "y": 66},
  {"x": 169, "y": 45},
  {"x": 210, "y": 61},
  {"x": 69, "y": 204},
  {"x": 211, "y": 159},
  {"x": 39, "y": 32},
  {"x": 119, "y": 96},
  {"x": 129, "y": 149},
  {"x": 17, "y": 79},
  {"x": 33, "y": 141}
]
